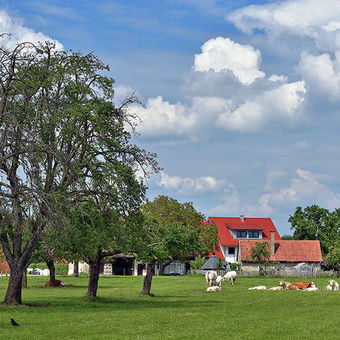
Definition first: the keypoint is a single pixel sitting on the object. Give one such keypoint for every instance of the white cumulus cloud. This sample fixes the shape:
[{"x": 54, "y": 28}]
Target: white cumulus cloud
[
  {"x": 303, "y": 189},
  {"x": 322, "y": 73},
  {"x": 281, "y": 103},
  {"x": 316, "y": 19},
  {"x": 159, "y": 117},
  {"x": 223, "y": 54},
  {"x": 191, "y": 186},
  {"x": 21, "y": 33}
]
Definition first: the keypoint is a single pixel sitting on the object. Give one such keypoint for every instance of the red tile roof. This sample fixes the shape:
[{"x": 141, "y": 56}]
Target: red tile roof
[
  {"x": 250, "y": 223},
  {"x": 224, "y": 224},
  {"x": 287, "y": 250}
]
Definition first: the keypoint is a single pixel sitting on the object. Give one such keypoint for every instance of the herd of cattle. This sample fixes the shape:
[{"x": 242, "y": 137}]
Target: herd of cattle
[{"x": 214, "y": 283}]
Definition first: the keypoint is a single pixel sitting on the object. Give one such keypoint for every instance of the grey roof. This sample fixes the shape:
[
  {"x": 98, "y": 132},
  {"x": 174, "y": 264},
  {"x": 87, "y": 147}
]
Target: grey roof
[
  {"x": 302, "y": 266},
  {"x": 212, "y": 263}
]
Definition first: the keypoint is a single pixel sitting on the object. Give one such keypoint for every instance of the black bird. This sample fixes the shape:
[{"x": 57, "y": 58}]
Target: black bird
[{"x": 14, "y": 323}]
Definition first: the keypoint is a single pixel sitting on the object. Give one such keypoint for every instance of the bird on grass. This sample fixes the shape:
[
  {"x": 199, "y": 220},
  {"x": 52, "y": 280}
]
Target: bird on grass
[{"x": 14, "y": 323}]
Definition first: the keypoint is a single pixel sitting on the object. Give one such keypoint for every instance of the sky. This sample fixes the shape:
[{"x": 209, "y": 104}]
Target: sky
[{"x": 241, "y": 98}]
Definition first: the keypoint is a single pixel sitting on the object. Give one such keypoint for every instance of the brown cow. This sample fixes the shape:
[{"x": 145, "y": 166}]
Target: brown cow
[
  {"x": 301, "y": 285},
  {"x": 57, "y": 283}
]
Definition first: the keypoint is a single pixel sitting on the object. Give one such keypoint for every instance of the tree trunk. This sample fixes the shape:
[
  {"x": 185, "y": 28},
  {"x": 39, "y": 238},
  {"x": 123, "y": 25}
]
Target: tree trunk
[
  {"x": 150, "y": 271},
  {"x": 51, "y": 267},
  {"x": 76, "y": 269},
  {"x": 94, "y": 275},
  {"x": 13, "y": 294},
  {"x": 163, "y": 265},
  {"x": 24, "y": 278}
]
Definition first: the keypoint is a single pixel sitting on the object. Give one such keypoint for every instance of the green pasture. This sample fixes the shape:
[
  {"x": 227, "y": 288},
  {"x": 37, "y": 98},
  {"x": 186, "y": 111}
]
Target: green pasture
[{"x": 179, "y": 309}]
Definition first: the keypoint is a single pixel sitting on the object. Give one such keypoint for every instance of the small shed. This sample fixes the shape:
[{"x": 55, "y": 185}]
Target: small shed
[
  {"x": 213, "y": 263},
  {"x": 303, "y": 267}
]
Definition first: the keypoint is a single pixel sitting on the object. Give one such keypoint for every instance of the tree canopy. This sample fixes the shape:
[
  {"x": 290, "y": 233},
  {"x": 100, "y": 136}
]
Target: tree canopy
[
  {"x": 315, "y": 223},
  {"x": 172, "y": 231}
]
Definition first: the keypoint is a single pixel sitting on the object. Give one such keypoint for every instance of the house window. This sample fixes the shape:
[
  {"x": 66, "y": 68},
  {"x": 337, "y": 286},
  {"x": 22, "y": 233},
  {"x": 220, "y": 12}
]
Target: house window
[
  {"x": 254, "y": 234},
  {"x": 231, "y": 251},
  {"x": 241, "y": 234}
]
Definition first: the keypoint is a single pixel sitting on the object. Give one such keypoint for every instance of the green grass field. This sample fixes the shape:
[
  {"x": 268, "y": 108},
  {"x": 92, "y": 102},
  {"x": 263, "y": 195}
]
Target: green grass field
[{"x": 179, "y": 309}]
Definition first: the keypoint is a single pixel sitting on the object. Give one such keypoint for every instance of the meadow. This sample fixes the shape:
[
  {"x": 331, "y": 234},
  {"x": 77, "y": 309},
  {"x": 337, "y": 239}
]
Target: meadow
[{"x": 179, "y": 309}]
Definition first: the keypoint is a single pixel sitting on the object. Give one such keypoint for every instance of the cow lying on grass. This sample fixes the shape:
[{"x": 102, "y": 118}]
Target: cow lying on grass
[
  {"x": 57, "y": 283},
  {"x": 276, "y": 288},
  {"x": 214, "y": 289},
  {"x": 333, "y": 285},
  {"x": 284, "y": 284},
  {"x": 258, "y": 288},
  {"x": 301, "y": 285}
]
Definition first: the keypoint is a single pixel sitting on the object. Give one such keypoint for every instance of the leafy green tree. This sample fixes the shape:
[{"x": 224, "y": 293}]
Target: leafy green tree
[
  {"x": 166, "y": 209},
  {"x": 315, "y": 223},
  {"x": 96, "y": 231},
  {"x": 172, "y": 231},
  {"x": 166, "y": 242},
  {"x": 260, "y": 254},
  {"x": 61, "y": 140}
]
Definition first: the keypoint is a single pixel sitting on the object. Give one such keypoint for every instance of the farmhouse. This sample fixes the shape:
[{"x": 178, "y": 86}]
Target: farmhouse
[
  {"x": 233, "y": 229},
  {"x": 237, "y": 235}
]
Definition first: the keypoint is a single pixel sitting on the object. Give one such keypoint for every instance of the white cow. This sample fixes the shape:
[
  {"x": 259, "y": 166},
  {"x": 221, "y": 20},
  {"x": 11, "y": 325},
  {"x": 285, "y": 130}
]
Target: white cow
[
  {"x": 210, "y": 277},
  {"x": 312, "y": 289},
  {"x": 334, "y": 284},
  {"x": 219, "y": 280},
  {"x": 214, "y": 289},
  {"x": 230, "y": 276},
  {"x": 258, "y": 288},
  {"x": 276, "y": 288}
]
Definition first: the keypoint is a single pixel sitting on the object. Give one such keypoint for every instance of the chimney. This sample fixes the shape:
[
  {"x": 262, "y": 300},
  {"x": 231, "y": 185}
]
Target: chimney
[
  {"x": 272, "y": 243},
  {"x": 242, "y": 218}
]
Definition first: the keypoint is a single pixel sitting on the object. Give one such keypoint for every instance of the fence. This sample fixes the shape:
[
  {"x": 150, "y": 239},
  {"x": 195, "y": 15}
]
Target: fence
[{"x": 283, "y": 273}]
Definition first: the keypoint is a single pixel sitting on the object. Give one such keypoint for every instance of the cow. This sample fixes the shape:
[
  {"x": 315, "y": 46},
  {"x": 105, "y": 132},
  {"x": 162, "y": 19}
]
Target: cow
[
  {"x": 258, "y": 288},
  {"x": 210, "y": 277},
  {"x": 230, "y": 276},
  {"x": 334, "y": 284},
  {"x": 214, "y": 289},
  {"x": 284, "y": 284},
  {"x": 57, "y": 283},
  {"x": 301, "y": 285}
]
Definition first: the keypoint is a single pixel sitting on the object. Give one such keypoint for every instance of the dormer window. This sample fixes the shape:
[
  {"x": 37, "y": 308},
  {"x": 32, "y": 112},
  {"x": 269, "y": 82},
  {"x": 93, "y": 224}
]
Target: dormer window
[
  {"x": 253, "y": 234},
  {"x": 241, "y": 234}
]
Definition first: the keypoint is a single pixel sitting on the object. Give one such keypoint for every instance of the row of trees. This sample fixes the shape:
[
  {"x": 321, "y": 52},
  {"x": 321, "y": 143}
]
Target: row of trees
[
  {"x": 68, "y": 184},
  {"x": 315, "y": 223}
]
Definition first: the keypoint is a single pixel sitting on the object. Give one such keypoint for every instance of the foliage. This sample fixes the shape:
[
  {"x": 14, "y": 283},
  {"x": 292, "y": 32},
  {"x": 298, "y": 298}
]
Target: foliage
[
  {"x": 219, "y": 265},
  {"x": 167, "y": 210},
  {"x": 315, "y": 223},
  {"x": 287, "y": 237},
  {"x": 260, "y": 254},
  {"x": 198, "y": 262},
  {"x": 235, "y": 266},
  {"x": 332, "y": 260}
]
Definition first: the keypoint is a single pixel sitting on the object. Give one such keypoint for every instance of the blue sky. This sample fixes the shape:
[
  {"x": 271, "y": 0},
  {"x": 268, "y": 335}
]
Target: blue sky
[{"x": 242, "y": 98}]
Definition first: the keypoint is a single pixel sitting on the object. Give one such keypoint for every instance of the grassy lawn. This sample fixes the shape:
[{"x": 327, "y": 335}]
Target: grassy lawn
[{"x": 180, "y": 309}]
